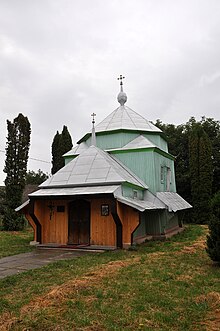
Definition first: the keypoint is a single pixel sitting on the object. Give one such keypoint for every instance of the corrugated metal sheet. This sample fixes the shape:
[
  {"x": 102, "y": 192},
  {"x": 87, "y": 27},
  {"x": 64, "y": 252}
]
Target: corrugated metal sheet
[
  {"x": 149, "y": 202},
  {"x": 137, "y": 143},
  {"x": 113, "y": 140},
  {"x": 72, "y": 191},
  {"x": 173, "y": 201},
  {"x": 140, "y": 205},
  {"x": 157, "y": 140},
  {"x": 23, "y": 205},
  {"x": 125, "y": 118},
  {"x": 93, "y": 167},
  {"x": 76, "y": 150}
]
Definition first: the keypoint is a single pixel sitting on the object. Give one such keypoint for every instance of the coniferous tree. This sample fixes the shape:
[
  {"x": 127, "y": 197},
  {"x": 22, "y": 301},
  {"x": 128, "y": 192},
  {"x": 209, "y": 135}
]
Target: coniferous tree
[
  {"x": 201, "y": 172},
  {"x": 213, "y": 239},
  {"x": 56, "y": 154},
  {"x": 66, "y": 140},
  {"x": 62, "y": 143},
  {"x": 17, "y": 149}
]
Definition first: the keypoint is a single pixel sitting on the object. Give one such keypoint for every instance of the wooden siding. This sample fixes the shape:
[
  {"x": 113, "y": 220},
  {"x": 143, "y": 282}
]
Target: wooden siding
[
  {"x": 103, "y": 228},
  {"x": 128, "y": 192},
  {"x": 147, "y": 166},
  {"x": 32, "y": 224},
  {"x": 113, "y": 140},
  {"x": 162, "y": 161},
  {"x": 142, "y": 164},
  {"x": 157, "y": 140},
  {"x": 130, "y": 220},
  {"x": 54, "y": 230}
]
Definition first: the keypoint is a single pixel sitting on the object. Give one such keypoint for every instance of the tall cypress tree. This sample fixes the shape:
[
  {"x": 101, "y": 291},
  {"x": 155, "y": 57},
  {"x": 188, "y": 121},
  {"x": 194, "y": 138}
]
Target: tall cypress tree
[
  {"x": 62, "y": 143},
  {"x": 201, "y": 172},
  {"x": 17, "y": 149},
  {"x": 56, "y": 154},
  {"x": 66, "y": 140}
]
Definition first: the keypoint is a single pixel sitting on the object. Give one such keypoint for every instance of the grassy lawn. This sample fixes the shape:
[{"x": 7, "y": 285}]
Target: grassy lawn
[
  {"x": 170, "y": 285},
  {"x": 13, "y": 242}
]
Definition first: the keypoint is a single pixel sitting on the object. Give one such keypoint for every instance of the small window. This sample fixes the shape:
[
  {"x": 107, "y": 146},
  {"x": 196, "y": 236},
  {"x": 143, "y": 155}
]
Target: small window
[
  {"x": 168, "y": 179},
  {"x": 104, "y": 210},
  {"x": 60, "y": 209},
  {"x": 135, "y": 194},
  {"x": 162, "y": 174}
]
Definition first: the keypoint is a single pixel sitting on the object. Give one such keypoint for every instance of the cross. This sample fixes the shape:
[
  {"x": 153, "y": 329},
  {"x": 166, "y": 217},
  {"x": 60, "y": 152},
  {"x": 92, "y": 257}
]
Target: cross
[
  {"x": 93, "y": 117},
  {"x": 120, "y": 78}
]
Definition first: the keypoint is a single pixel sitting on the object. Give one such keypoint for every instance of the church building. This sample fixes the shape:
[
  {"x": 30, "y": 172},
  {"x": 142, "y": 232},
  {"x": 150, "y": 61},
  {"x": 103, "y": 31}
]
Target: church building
[{"x": 117, "y": 187}]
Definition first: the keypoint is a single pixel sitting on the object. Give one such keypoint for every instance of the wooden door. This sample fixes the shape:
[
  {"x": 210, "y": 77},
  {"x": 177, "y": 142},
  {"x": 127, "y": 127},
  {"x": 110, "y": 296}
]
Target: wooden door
[{"x": 79, "y": 222}]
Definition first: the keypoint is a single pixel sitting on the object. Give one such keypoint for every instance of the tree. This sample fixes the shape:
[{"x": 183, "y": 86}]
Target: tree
[
  {"x": 2, "y": 203},
  {"x": 201, "y": 172},
  {"x": 213, "y": 239},
  {"x": 35, "y": 178},
  {"x": 178, "y": 139},
  {"x": 66, "y": 141},
  {"x": 17, "y": 149},
  {"x": 62, "y": 143}
]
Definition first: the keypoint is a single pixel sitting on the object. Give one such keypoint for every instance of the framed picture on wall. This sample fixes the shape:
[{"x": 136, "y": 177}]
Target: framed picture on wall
[{"x": 104, "y": 210}]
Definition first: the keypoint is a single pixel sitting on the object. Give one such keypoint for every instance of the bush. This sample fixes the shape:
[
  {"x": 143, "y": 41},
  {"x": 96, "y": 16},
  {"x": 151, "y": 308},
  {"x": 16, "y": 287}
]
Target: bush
[{"x": 213, "y": 239}]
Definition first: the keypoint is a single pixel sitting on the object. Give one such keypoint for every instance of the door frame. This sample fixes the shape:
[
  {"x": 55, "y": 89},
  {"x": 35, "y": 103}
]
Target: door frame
[{"x": 69, "y": 221}]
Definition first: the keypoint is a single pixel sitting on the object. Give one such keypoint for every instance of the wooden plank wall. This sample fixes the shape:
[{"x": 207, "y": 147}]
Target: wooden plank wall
[
  {"x": 102, "y": 229},
  {"x": 31, "y": 222},
  {"x": 54, "y": 230},
  {"x": 130, "y": 220}
]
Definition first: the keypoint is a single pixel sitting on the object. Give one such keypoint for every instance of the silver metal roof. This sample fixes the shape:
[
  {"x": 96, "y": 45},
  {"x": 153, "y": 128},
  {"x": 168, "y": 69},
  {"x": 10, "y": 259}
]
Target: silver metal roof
[
  {"x": 139, "y": 142},
  {"x": 72, "y": 191},
  {"x": 140, "y": 205},
  {"x": 92, "y": 167},
  {"x": 125, "y": 118},
  {"x": 23, "y": 205},
  {"x": 173, "y": 201},
  {"x": 76, "y": 150}
]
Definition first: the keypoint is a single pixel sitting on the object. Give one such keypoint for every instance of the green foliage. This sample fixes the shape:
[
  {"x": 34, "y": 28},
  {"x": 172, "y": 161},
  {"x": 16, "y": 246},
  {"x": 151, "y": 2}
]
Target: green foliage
[
  {"x": 62, "y": 143},
  {"x": 178, "y": 141},
  {"x": 201, "y": 171},
  {"x": 17, "y": 149},
  {"x": 213, "y": 239},
  {"x": 35, "y": 178},
  {"x": 2, "y": 202}
]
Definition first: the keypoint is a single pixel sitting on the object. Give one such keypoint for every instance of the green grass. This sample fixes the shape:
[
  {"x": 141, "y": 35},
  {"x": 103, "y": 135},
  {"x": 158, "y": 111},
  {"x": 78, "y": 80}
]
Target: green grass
[
  {"x": 13, "y": 242},
  {"x": 170, "y": 285}
]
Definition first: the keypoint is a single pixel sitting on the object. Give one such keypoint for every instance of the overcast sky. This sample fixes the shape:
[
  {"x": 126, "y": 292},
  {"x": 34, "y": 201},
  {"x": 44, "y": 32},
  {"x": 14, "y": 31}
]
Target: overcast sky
[{"x": 60, "y": 59}]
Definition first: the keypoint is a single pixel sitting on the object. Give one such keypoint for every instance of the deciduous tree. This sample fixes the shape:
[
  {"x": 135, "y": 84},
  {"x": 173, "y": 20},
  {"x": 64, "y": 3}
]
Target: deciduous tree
[{"x": 35, "y": 178}]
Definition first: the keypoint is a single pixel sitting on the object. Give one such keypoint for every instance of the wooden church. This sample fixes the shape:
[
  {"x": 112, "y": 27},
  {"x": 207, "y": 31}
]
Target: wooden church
[{"x": 117, "y": 187}]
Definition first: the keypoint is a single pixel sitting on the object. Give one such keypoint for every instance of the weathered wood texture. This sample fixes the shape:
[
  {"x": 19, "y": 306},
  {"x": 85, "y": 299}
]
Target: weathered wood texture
[
  {"x": 31, "y": 222},
  {"x": 130, "y": 220},
  {"x": 54, "y": 224},
  {"x": 103, "y": 228}
]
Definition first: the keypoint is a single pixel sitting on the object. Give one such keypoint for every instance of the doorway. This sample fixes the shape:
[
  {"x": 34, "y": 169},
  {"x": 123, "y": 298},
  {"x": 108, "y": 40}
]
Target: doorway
[{"x": 79, "y": 223}]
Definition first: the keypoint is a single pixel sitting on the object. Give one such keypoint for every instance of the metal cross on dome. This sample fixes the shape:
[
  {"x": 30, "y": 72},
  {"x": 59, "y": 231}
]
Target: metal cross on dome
[
  {"x": 93, "y": 117},
  {"x": 120, "y": 78}
]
